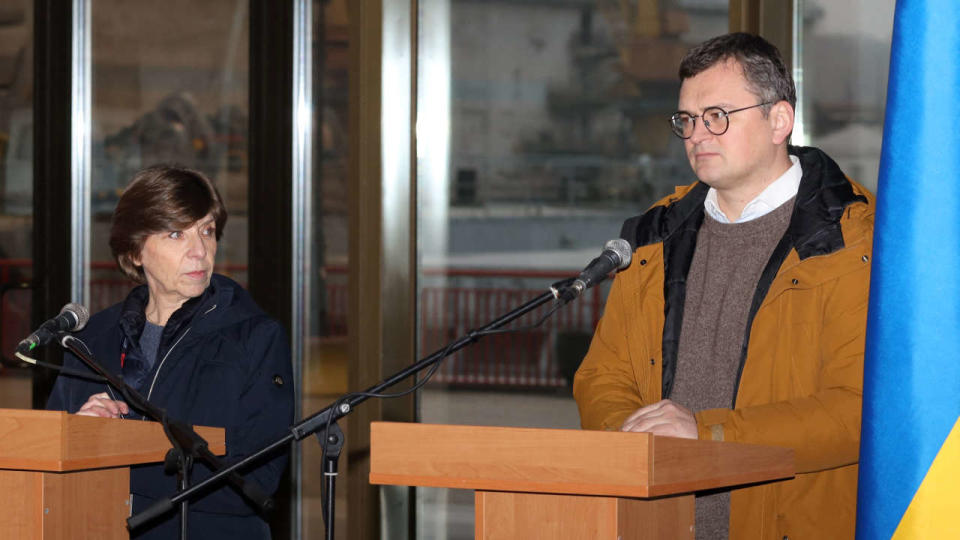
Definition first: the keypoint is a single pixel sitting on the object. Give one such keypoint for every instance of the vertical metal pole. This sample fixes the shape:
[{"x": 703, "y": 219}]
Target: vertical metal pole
[
  {"x": 301, "y": 196},
  {"x": 800, "y": 136},
  {"x": 80, "y": 153}
]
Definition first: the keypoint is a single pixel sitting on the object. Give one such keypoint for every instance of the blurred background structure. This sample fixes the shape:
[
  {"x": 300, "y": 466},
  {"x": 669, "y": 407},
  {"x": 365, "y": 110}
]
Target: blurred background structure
[{"x": 397, "y": 173}]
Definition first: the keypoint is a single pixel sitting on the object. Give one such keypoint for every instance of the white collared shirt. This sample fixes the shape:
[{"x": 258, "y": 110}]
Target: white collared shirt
[{"x": 777, "y": 193}]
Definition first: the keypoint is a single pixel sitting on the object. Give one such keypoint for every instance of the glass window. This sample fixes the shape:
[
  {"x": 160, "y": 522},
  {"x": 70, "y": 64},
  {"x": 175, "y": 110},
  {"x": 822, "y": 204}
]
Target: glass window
[
  {"x": 16, "y": 195},
  {"x": 169, "y": 85},
  {"x": 541, "y": 126},
  {"x": 326, "y": 361},
  {"x": 841, "y": 62}
]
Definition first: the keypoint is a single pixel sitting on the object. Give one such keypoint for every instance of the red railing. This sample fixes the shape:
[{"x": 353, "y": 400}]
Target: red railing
[
  {"x": 545, "y": 355},
  {"x": 451, "y": 303}
]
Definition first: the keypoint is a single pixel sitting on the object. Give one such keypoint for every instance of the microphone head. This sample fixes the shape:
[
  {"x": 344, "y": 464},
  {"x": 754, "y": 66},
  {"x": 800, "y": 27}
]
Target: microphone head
[
  {"x": 623, "y": 249},
  {"x": 80, "y": 312}
]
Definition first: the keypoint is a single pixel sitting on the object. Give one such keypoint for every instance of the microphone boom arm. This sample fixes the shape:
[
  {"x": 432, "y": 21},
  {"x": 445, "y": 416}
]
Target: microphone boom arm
[
  {"x": 182, "y": 436},
  {"x": 318, "y": 422},
  {"x": 617, "y": 255}
]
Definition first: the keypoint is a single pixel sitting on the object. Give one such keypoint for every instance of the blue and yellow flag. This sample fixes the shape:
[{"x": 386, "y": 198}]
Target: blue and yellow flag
[{"x": 910, "y": 447}]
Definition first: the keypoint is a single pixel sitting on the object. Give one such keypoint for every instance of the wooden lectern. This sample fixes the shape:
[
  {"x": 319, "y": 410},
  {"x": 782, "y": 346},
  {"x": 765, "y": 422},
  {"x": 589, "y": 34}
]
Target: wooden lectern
[
  {"x": 64, "y": 476},
  {"x": 559, "y": 484}
]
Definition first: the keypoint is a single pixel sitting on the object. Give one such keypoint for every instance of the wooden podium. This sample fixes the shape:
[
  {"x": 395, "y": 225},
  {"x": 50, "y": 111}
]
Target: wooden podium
[
  {"x": 559, "y": 484},
  {"x": 64, "y": 476}
]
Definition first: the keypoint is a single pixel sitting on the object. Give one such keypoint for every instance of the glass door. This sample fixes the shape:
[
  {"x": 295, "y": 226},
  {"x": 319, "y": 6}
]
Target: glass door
[{"x": 16, "y": 196}]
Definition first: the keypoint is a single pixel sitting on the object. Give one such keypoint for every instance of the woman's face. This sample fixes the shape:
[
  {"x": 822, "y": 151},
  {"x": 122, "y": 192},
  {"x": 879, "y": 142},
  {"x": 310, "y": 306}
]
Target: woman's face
[{"x": 178, "y": 264}]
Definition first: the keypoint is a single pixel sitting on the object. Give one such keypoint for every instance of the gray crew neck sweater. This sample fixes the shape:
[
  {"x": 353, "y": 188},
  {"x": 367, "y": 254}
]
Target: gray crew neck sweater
[{"x": 727, "y": 263}]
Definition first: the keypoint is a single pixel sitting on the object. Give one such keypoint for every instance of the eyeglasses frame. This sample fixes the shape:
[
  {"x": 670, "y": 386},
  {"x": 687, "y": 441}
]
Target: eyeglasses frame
[{"x": 707, "y": 126}]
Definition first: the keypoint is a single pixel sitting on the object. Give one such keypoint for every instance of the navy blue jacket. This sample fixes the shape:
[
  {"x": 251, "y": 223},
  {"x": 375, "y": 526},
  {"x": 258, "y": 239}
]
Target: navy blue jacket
[{"x": 222, "y": 362}]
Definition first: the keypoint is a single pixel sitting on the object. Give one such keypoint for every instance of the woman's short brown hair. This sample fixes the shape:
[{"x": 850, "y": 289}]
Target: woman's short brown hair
[{"x": 159, "y": 199}]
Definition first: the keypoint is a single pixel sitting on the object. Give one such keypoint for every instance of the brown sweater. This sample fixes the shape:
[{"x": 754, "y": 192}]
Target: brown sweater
[{"x": 723, "y": 276}]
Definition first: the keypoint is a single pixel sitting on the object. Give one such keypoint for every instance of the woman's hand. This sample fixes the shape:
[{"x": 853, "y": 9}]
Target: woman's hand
[{"x": 101, "y": 405}]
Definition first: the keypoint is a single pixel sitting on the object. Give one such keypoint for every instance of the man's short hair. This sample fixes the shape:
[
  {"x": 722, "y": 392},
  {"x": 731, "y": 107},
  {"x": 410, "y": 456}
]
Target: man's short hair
[
  {"x": 763, "y": 68},
  {"x": 161, "y": 198}
]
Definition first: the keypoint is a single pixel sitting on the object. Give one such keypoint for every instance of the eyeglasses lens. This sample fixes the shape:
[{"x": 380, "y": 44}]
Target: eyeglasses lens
[
  {"x": 682, "y": 125},
  {"x": 716, "y": 121}
]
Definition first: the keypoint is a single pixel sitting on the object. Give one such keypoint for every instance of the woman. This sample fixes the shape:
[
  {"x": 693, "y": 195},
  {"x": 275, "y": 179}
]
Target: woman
[{"x": 193, "y": 343}]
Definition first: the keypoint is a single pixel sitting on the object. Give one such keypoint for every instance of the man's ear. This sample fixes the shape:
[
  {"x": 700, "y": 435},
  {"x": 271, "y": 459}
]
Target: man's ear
[{"x": 781, "y": 121}]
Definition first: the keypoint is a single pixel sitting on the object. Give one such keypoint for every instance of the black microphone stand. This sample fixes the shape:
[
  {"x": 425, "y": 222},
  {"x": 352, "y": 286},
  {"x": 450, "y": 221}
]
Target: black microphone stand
[
  {"x": 324, "y": 422},
  {"x": 186, "y": 444}
]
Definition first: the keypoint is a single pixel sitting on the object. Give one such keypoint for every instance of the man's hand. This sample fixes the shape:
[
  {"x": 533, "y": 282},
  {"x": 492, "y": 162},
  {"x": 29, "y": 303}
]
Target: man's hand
[
  {"x": 101, "y": 405},
  {"x": 663, "y": 418}
]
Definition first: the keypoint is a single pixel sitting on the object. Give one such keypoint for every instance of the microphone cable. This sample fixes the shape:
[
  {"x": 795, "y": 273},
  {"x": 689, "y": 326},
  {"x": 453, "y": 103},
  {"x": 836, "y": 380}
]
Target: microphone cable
[{"x": 65, "y": 370}]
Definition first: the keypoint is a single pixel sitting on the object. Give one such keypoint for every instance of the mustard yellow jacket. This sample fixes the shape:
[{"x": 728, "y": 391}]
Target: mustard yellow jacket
[{"x": 801, "y": 373}]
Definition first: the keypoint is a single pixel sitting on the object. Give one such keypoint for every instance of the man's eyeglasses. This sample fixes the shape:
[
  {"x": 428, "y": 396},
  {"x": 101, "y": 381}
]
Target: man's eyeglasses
[{"x": 715, "y": 119}]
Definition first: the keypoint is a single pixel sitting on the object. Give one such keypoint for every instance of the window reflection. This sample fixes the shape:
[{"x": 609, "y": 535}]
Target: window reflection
[
  {"x": 169, "y": 86},
  {"x": 326, "y": 364},
  {"x": 16, "y": 194},
  {"x": 541, "y": 127},
  {"x": 844, "y": 52}
]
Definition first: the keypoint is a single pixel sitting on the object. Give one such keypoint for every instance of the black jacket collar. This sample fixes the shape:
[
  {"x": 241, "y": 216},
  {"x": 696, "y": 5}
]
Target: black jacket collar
[
  {"x": 825, "y": 192},
  {"x": 133, "y": 313},
  {"x": 814, "y": 228},
  {"x": 134, "y": 367}
]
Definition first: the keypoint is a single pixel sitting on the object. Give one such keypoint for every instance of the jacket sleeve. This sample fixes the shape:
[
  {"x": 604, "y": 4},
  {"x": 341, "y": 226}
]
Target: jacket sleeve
[
  {"x": 266, "y": 409},
  {"x": 267, "y": 403},
  {"x": 822, "y": 427},
  {"x": 70, "y": 393},
  {"x": 605, "y": 386}
]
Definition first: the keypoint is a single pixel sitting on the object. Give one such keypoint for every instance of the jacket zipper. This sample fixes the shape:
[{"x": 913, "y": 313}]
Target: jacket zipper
[
  {"x": 767, "y": 276},
  {"x": 157, "y": 374},
  {"x": 175, "y": 343}
]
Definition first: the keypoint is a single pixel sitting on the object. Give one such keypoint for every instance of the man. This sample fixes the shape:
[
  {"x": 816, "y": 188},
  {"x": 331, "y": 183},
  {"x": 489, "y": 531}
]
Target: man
[{"x": 742, "y": 316}]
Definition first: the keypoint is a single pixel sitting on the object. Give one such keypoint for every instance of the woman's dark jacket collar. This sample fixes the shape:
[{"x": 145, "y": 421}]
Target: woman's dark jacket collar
[
  {"x": 132, "y": 320},
  {"x": 133, "y": 313}
]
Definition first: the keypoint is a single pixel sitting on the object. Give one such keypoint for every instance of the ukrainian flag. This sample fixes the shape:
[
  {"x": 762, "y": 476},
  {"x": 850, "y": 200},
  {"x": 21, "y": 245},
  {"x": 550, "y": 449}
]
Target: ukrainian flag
[{"x": 910, "y": 447}]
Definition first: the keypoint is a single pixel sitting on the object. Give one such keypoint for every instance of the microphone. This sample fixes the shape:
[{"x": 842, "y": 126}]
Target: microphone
[
  {"x": 72, "y": 317},
  {"x": 616, "y": 256}
]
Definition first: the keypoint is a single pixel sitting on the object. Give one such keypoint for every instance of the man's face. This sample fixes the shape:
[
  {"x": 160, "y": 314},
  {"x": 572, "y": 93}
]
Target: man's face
[{"x": 735, "y": 159}]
